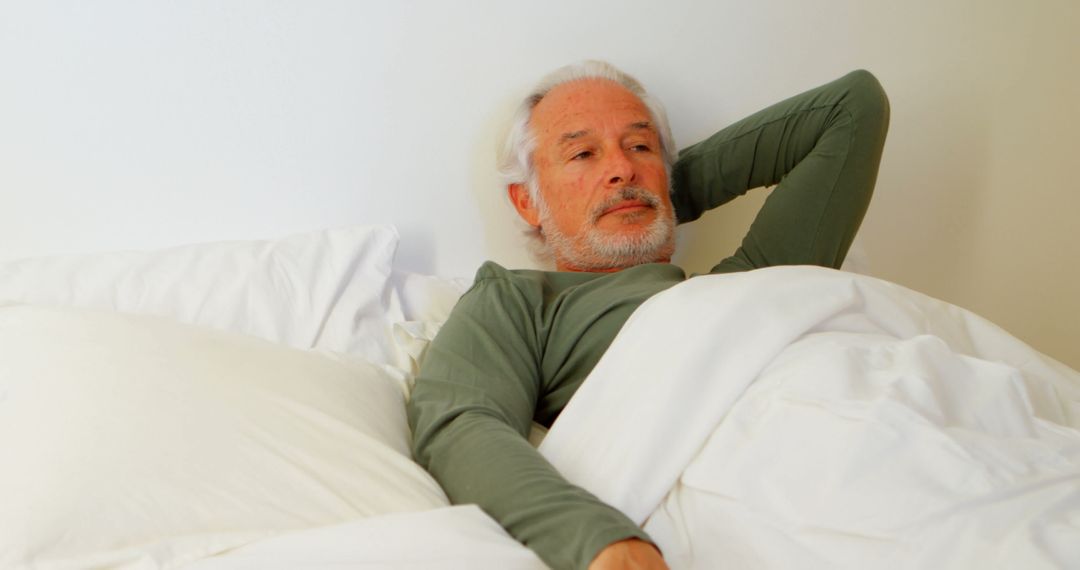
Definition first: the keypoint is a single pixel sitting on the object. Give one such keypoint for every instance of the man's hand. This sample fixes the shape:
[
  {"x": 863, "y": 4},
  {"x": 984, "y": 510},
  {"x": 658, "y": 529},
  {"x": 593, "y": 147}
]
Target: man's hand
[{"x": 629, "y": 554}]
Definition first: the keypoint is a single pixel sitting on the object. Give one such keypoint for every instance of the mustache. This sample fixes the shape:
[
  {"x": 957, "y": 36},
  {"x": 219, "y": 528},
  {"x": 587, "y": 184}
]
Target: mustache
[{"x": 626, "y": 193}]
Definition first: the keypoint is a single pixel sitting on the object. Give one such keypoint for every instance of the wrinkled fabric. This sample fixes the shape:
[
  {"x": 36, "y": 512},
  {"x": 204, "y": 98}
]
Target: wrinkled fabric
[{"x": 820, "y": 419}]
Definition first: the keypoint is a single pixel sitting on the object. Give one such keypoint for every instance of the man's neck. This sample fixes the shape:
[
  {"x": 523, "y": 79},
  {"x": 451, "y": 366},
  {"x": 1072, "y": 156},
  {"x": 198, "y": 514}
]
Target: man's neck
[{"x": 563, "y": 266}]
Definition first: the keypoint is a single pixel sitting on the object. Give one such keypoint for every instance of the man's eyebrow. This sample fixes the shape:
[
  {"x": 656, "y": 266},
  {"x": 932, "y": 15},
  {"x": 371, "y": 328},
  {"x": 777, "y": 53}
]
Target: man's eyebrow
[
  {"x": 638, "y": 126},
  {"x": 566, "y": 137}
]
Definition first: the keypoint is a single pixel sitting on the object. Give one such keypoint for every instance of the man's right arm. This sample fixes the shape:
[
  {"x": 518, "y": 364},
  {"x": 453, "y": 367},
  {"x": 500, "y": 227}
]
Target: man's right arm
[
  {"x": 470, "y": 411},
  {"x": 821, "y": 148}
]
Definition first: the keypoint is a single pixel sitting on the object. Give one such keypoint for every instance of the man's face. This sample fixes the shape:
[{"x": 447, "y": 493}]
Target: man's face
[{"x": 601, "y": 176}]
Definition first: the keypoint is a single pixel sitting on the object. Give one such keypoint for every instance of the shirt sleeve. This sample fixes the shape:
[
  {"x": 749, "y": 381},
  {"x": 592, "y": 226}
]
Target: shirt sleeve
[
  {"x": 470, "y": 412},
  {"x": 822, "y": 149}
]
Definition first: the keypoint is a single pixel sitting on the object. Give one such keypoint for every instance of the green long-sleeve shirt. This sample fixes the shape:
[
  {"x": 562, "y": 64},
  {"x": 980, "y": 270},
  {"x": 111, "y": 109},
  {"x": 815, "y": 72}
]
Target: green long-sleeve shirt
[{"x": 519, "y": 343}]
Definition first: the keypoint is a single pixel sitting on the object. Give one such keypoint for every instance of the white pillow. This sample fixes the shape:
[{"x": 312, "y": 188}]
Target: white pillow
[
  {"x": 137, "y": 441},
  {"x": 428, "y": 298},
  {"x": 426, "y": 302},
  {"x": 329, "y": 289}
]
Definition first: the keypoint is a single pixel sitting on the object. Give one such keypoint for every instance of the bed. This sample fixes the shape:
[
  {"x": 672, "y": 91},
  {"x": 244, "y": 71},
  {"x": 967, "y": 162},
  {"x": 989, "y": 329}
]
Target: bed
[{"x": 241, "y": 405}]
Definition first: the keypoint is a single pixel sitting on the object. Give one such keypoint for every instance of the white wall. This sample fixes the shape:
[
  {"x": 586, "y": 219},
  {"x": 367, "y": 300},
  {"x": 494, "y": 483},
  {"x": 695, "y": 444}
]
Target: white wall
[{"x": 144, "y": 124}]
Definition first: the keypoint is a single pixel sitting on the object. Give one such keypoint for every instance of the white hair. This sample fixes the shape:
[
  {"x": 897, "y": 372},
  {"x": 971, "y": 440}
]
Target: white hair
[{"x": 515, "y": 157}]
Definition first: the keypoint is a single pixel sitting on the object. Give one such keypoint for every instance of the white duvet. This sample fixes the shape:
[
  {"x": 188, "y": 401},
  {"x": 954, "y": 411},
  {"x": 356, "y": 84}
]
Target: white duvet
[{"x": 799, "y": 417}]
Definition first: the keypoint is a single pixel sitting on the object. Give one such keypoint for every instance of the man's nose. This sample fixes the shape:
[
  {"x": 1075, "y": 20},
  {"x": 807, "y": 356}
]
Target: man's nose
[{"x": 620, "y": 169}]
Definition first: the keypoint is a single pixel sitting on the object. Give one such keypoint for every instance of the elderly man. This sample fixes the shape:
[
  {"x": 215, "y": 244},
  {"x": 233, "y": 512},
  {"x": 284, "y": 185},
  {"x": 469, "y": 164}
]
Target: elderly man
[{"x": 591, "y": 168}]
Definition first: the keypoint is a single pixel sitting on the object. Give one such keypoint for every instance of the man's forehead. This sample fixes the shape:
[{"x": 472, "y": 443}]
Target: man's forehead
[{"x": 576, "y": 109}]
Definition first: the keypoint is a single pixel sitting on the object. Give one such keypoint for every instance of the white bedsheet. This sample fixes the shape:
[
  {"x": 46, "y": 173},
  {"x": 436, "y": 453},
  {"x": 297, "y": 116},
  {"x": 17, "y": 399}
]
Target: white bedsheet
[
  {"x": 799, "y": 417},
  {"x": 461, "y": 537}
]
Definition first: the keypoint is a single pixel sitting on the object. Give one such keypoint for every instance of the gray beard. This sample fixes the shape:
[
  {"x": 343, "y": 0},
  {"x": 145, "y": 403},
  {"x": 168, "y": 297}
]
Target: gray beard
[{"x": 591, "y": 249}]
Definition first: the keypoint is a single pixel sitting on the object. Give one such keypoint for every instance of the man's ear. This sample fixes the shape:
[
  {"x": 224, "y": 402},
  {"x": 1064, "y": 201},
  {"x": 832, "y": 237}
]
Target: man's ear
[{"x": 523, "y": 203}]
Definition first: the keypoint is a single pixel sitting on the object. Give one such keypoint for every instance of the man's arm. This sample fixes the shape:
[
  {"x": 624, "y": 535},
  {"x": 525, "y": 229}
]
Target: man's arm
[
  {"x": 823, "y": 147},
  {"x": 470, "y": 412}
]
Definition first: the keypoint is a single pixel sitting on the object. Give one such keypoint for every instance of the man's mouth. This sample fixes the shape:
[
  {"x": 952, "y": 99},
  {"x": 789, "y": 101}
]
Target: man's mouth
[
  {"x": 629, "y": 200},
  {"x": 626, "y": 207}
]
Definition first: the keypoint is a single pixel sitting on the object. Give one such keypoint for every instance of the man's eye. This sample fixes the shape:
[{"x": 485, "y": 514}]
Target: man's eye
[
  {"x": 582, "y": 155},
  {"x": 640, "y": 148}
]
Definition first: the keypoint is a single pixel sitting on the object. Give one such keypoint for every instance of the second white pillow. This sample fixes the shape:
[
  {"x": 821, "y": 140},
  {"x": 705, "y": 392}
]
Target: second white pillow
[{"x": 328, "y": 289}]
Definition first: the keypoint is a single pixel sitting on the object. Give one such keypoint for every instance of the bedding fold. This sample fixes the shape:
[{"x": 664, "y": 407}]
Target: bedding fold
[{"x": 806, "y": 417}]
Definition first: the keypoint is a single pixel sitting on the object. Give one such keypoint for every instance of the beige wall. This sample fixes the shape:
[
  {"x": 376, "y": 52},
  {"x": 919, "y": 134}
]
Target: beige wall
[{"x": 978, "y": 198}]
